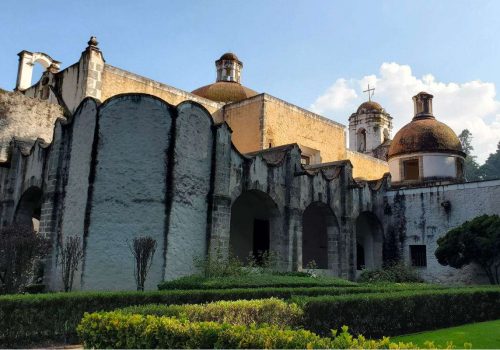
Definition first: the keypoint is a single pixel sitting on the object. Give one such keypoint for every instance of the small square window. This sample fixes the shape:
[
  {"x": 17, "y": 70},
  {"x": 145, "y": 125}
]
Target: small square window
[
  {"x": 411, "y": 169},
  {"x": 305, "y": 160},
  {"x": 418, "y": 255}
]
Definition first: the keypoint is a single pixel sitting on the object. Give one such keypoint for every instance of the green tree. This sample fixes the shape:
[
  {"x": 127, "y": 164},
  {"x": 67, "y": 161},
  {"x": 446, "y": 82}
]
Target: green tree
[
  {"x": 476, "y": 241},
  {"x": 491, "y": 168},
  {"x": 472, "y": 170}
]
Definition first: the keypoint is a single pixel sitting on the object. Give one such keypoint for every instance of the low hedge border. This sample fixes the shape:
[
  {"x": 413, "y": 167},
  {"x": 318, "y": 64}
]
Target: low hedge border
[
  {"x": 253, "y": 281},
  {"x": 270, "y": 311},
  {"x": 117, "y": 330},
  {"x": 54, "y": 316},
  {"x": 395, "y": 313}
]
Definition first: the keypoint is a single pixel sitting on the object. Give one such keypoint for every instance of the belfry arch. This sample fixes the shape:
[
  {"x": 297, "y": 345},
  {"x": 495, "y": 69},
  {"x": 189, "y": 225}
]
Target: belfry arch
[
  {"x": 29, "y": 207},
  {"x": 320, "y": 232},
  {"x": 255, "y": 226},
  {"x": 369, "y": 241}
]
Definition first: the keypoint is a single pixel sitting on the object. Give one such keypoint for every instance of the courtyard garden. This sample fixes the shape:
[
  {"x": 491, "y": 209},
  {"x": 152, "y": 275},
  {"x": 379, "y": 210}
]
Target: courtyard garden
[{"x": 256, "y": 310}]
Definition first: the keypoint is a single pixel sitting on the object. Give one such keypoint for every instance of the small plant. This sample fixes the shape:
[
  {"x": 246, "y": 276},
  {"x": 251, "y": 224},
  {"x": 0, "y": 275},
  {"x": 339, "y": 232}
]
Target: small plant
[
  {"x": 71, "y": 253},
  {"x": 396, "y": 272},
  {"x": 218, "y": 264},
  {"x": 143, "y": 249},
  {"x": 310, "y": 267},
  {"x": 263, "y": 262}
]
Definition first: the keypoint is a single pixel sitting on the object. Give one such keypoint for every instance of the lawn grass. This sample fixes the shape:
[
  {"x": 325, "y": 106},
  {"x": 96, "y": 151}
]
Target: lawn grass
[{"x": 482, "y": 335}]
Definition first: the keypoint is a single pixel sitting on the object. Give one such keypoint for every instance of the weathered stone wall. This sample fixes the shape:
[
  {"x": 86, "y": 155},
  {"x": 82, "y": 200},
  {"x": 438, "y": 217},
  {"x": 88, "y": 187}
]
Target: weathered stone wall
[
  {"x": 190, "y": 186},
  {"x": 366, "y": 167},
  {"x": 285, "y": 123},
  {"x": 26, "y": 119},
  {"x": 245, "y": 120},
  {"x": 421, "y": 215},
  {"x": 128, "y": 191},
  {"x": 116, "y": 81}
]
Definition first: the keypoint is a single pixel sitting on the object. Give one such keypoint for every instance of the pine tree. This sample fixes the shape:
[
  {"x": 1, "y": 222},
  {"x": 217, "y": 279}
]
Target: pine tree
[
  {"x": 491, "y": 168},
  {"x": 472, "y": 170}
]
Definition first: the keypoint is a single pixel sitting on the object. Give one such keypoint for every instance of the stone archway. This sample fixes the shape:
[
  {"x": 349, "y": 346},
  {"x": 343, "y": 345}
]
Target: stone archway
[
  {"x": 369, "y": 241},
  {"x": 320, "y": 232},
  {"x": 255, "y": 227},
  {"x": 29, "y": 207}
]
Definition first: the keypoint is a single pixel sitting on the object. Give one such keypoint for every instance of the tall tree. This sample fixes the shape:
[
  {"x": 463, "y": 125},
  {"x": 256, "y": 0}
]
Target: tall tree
[
  {"x": 476, "y": 241},
  {"x": 472, "y": 170},
  {"x": 491, "y": 168}
]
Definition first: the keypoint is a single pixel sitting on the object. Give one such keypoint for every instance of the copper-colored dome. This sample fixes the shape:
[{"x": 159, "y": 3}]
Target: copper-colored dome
[
  {"x": 425, "y": 135},
  {"x": 225, "y": 91},
  {"x": 370, "y": 106},
  {"x": 229, "y": 56}
]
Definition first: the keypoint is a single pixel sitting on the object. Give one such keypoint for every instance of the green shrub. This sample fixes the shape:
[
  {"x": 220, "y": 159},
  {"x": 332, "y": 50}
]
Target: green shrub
[
  {"x": 119, "y": 330},
  {"x": 253, "y": 281},
  {"x": 393, "y": 273},
  {"x": 54, "y": 316},
  {"x": 396, "y": 313},
  {"x": 240, "y": 312}
]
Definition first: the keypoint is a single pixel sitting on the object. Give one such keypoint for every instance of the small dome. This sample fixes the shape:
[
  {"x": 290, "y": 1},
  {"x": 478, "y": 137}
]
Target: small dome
[
  {"x": 370, "y": 106},
  {"x": 229, "y": 56},
  {"x": 225, "y": 91},
  {"x": 425, "y": 135}
]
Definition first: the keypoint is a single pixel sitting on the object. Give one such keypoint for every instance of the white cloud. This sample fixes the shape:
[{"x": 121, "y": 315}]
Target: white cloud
[{"x": 472, "y": 105}]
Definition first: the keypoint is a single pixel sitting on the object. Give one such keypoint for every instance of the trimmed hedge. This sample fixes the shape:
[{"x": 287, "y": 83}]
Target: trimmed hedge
[
  {"x": 396, "y": 313},
  {"x": 118, "y": 330},
  {"x": 54, "y": 316},
  {"x": 253, "y": 281},
  {"x": 241, "y": 312}
]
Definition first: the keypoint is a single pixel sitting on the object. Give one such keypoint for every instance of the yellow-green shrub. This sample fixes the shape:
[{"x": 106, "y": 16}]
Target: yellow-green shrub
[
  {"x": 240, "y": 312},
  {"x": 120, "y": 330}
]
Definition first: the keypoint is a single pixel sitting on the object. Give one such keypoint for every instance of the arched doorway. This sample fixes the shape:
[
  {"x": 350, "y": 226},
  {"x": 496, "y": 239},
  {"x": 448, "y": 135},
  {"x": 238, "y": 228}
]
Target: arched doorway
[
  {"x": 254, "y": 225},
  {"x": 319, "y": 236},
  {"x": 369, "y": 241},
  {"x": 29, "y": 208},
  {"x": 361, "y": 140}
]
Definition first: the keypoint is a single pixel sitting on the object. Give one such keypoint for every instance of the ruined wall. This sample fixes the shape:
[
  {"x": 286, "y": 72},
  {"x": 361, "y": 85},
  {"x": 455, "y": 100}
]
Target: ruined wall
[
  {"x": 245, "y": 120},
  {"x": 285, "y": 123},
  {"x": 422, "y": 217},
  {"x": 367, "y": 167},
  {"x": 117, "y": 81},
  {"x": 26, "y": 119}
]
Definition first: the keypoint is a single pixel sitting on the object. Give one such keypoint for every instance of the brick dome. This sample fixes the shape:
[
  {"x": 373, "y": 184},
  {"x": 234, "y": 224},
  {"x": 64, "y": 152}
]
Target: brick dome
[
  {"x": 370, "y": 106},
  {"x": 425, "y": 134},
  {"x": 225, "y": 91}
]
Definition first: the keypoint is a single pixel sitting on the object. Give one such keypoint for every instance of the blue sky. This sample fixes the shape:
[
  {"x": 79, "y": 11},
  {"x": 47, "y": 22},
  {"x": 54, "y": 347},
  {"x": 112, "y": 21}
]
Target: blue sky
[{"x": 295, "y": 50}]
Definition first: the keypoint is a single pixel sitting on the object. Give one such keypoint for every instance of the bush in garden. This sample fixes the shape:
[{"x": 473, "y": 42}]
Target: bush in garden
[
  {"x": 119, "y": 330},
  {"x": 70, "y": 255},
  {"x": 240, "y": 312},
  {"x": 398, "y": 273},
  {"x": 143, "y": 249}
]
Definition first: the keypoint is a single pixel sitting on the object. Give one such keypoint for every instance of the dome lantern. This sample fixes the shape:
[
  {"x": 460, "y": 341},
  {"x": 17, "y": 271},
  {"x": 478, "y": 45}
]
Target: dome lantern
[{"x": 229, "y": 68}]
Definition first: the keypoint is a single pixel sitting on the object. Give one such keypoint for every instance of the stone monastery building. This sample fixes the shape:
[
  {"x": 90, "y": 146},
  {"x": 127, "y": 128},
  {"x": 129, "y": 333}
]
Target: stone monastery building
[{"x": 102, "y": 153}]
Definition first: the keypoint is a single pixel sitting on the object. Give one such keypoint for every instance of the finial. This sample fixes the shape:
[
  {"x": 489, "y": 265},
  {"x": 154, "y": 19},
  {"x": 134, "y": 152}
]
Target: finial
[
  {"x": 93, "y": 42},
  {"x": 371, "y": 92}
]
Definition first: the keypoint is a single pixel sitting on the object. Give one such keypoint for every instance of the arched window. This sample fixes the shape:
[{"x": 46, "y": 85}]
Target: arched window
[{"x": 361, "y": 140}]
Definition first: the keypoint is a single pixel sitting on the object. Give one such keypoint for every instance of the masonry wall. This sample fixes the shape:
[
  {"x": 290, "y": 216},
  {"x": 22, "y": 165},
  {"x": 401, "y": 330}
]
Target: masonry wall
[
  {"x": 128, "y": 192},
  {"x": 245, "y": 120},
  {"x": 285, "y": 123},
  {"x": 366, "y": 167},
  {"x": 117, "y": 81},
  {"x": 421, "y": 216},
  {"x": 26, "y": 119}
]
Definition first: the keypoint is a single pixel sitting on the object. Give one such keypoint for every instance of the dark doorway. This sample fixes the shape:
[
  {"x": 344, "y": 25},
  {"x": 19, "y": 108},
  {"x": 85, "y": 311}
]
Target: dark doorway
[
  {"x": 360, "y": 253},
  {"x": 29, "y": 208},
  {"x": 261, "y": 240}
]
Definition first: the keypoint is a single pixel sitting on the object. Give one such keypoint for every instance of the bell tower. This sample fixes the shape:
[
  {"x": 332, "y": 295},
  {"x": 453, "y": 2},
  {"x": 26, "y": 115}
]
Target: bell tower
[{"x": 369, "y": 127}]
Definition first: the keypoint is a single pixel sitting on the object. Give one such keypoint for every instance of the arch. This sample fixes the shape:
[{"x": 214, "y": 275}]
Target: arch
[
  {"x": 361, "y": 140},
  {"x": 255, "y": 226},
  {"x": 320, "y": 232},
  {"x": 369, "y": 241},
  {"x": 29, "y": 208}
]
